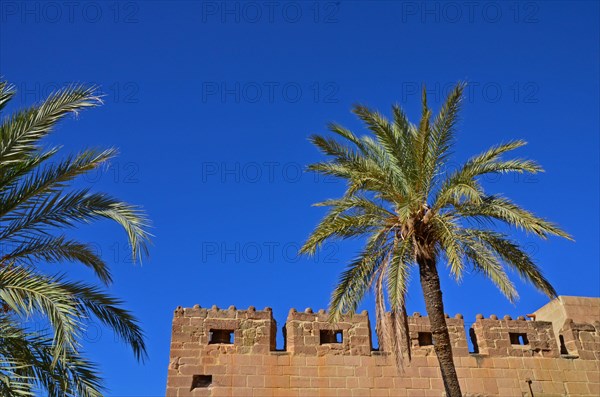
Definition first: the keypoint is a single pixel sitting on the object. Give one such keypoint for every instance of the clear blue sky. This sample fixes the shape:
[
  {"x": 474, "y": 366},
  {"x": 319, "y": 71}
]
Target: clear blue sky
[{"x": 211, "y": 109}]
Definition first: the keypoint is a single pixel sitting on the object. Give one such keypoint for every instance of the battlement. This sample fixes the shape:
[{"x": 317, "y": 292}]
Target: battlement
[
  {"x": 308, "y": 333},
  {"x": 213, "y": 348},
  {"x": 224, "y": 331},
  {"x": 313, "y": 334}
]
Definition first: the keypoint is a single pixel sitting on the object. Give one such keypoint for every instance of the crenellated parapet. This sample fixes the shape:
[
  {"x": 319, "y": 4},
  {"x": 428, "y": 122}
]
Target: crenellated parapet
[
  {"x": 313, "y": 334},
  {"x": 514, "y": 338},
  {"x": 224, "y": 330},
  {"x": 228, "y": 352},
  {"x": 309, "y": 333}
]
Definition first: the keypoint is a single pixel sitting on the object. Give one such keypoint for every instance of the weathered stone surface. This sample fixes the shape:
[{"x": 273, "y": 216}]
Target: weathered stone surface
[{"x": 513, "y": 357}]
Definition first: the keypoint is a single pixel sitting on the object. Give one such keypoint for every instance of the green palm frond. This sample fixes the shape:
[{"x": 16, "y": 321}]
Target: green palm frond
[
  {"x": 395, "y": 337},
  {"x": 20, "y": 133},
  {"x": 367, "y": 168},
  {"x": 358, "y": 277},
  {"x": 463, "y": 182},
  {"x": 349, "y": 217},
  {"x": 11, "y": 177},
  {"x": 443, "y": 130},
  {"x": 501, "y": 209},
  {"x": 515, "y": 258},
  {"x": 485, "y": 260},
  {"x": 67, "y": 209},
  {"x": 346, "y": 134},
  {"x": 51, "y": 179},
  {"x": 448, "y": 236},
  {"x": 423, "y": 131},
  {"x": 27, "y": 294},
  {"x": 37, "y": 202},
  {"x": 7, "y": 91},
  {"x": 58, "y": 249},
  {"x": 92, "y": 302},
  {"x": 388, "y": 137},
  {"x": 398, "y": 273},
  {"x": 67, "y": 305},
  {"x": 26, "y": 360}
]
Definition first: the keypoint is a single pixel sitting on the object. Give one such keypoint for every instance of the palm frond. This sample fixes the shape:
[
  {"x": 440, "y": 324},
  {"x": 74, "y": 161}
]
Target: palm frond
[
  {"x": 347, "y": 134},
  {"x": 448, "y": 237},
  {"x": 381, "y": 328},
  {"x": 20, "y": 133},
  {"x": 27, "y": 359},
  {"x": 358, "y": 276},
  {"x": 388, "y": 137},
  {"x": 36, "y": 203},
  {"x": 92, "y": 302},
  {"x": 57, "y": 249},
  {"x": 514, "y": 257},
  {"x": 349, "y": 217},
  {"x": 7, "y": 91},
  {"x": 502, "y": 209},
  {"x": 65, "y": 210},
  {"x": 443, "y": 130},
  {"x": 28, "y": 293},
  {"x": 362, "y": 171},
  {"x": 485, "y": 260},
  {"x": 398, "y": 277},
  {"x": 398, "y": 271},
  {"x": 462, "y": 182},
  {"x": 52, "y": 178},
  {"x": 11, "y": 177},
  {"x": 420, "y": 150}
]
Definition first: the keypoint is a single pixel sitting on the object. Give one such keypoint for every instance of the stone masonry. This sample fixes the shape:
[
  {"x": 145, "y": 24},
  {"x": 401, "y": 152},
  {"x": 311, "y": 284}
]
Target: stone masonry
[{"x": 216, "y": 352}]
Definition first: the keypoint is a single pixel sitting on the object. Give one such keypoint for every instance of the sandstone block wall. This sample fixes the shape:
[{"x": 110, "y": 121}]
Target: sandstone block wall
[
  {"x": 571, "y": 315},
  {"x": 520, "y": 338},
  {"x": 232, "y": 352},
  {"x": 304, "y": 332}
]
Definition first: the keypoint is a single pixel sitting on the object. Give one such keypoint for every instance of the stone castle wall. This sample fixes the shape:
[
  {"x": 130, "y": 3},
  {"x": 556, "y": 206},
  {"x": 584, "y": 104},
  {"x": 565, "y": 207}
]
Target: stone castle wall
[{"x": 232, "y": 352}]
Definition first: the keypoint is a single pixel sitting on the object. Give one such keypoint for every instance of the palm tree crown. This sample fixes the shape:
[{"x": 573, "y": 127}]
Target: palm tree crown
[
  {"x": 36, "y": 204},
  {"x": 413, "y": 213}
]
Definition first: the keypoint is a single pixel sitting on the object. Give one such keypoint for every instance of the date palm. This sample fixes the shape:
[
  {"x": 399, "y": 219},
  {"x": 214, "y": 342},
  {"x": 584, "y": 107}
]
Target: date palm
[
  {"x": 37, "y": 204},
  {"x": 412, "y": 213}
]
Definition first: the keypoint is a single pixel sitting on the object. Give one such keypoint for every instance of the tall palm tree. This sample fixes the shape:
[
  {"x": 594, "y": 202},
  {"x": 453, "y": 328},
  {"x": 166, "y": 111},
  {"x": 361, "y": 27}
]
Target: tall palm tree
[
  {"x": 37, "y": 204},
  {"x": 412, "y": 212}
]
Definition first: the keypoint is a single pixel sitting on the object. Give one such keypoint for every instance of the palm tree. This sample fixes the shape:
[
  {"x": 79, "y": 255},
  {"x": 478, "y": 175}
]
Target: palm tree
[
  {"x": 37, "y": 205},
  {"x": 411, "y": 212}
]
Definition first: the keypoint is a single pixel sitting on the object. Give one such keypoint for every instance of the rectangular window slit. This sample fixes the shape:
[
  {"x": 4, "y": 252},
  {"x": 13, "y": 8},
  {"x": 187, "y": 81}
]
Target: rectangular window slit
[
  {"x": 200, "y": 381},
  {"x": 473, "y": 336},
  {"x": 563, "y": 347},
  {"x": 518, "y": 338},
  {"x": 330, "y": 336},
  {"x": 220, "y": 336},
  {"x": 425, "y": 339}
]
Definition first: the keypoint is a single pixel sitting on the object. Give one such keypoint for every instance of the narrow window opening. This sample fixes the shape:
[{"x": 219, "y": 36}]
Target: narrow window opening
[
  {"x": 518, "y": 338},
  {"x": 563, "y": 347},
  {"x": 284, "y": 333},
  {"x": 425, "y": 339},
  {"x": 473, "y": 337},
  {"x": 329, "y": 336},
  {"x": 220, "y": 336},
  {"x": 200, "y": 381}
]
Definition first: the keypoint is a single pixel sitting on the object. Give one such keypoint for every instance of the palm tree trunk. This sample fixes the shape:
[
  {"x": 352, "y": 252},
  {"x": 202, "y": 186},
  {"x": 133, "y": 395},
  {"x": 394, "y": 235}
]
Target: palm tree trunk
[{"x": 430, "y": 283}]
